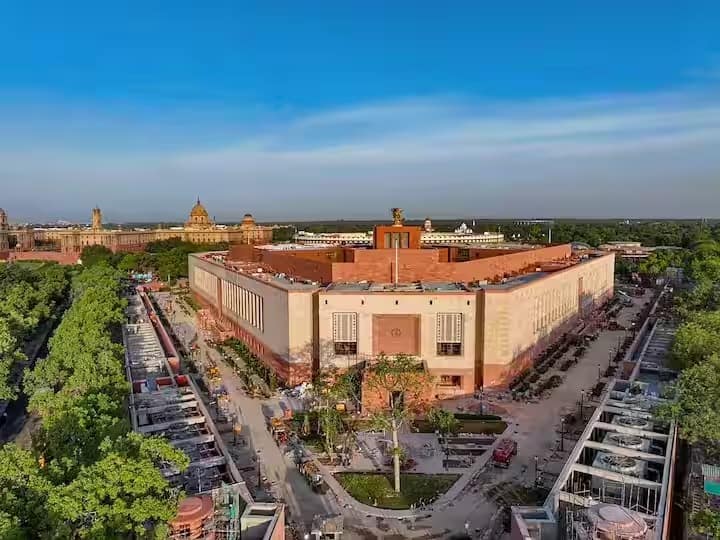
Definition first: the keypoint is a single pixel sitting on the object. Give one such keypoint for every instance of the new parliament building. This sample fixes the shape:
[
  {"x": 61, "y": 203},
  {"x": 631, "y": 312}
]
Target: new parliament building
[{"x": 475, "y": 316}]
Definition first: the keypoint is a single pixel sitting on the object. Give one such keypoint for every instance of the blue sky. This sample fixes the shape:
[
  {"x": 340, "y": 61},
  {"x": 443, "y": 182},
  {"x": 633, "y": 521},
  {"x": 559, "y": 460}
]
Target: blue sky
[{"x": 296, "y": 110}]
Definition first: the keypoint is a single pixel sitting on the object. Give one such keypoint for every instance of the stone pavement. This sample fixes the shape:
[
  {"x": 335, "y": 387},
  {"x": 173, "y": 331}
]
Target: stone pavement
[{"x": 286, "y": 481}]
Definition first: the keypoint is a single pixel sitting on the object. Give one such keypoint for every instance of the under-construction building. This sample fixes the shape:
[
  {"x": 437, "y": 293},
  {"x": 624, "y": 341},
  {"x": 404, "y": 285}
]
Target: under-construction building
[
  {"x": 617, "y": 481},
  {"x": 164, "y": 402}
]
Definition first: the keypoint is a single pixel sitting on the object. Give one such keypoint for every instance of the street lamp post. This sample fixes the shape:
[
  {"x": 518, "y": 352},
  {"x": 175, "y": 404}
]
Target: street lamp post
[
  {"x": 536, "y": 471},
  {"x": 562, "y": 434},
  {"x": 582, "y": 400}
]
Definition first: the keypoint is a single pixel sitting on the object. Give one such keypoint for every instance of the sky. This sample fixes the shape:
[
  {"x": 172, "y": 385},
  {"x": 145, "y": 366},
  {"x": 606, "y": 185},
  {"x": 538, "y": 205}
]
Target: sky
[{"x": 323, "y": 110}]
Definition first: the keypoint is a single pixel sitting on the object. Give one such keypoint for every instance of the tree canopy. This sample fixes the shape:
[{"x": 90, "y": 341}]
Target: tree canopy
[
  {"x": 697, "y": 407},
  {"x": 166, "y": 258},
  {"x": 27, "y": 298},
  {"x": 696, "y": 351},
  {"x": 697, "y": 339},
  {"x": 86, "y": 475}
]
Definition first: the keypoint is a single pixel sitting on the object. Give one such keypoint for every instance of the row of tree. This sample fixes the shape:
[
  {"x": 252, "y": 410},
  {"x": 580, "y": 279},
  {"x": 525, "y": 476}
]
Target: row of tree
[
  {"x": 650, "y": 233},
  {"x": 696, "y": 352},
  {"x": 27, "y": 298},
  {"x": 165, "y": 258},
  {"x": 86, "y": 475}
]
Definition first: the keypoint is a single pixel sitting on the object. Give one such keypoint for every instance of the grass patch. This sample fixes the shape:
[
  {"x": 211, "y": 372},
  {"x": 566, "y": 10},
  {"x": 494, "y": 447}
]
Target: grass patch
[
  {"x": 31, "y": 265},
  {"x": 478, "y": 427},
  {"x": 376, "y": 489}
]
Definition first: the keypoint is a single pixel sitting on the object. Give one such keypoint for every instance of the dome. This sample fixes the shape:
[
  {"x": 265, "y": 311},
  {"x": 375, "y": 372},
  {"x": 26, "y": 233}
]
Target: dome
[
  {"x": 613, "y": 522},
  {"x": 247, "y": 218},
  {"x": 199, "y": 210}
]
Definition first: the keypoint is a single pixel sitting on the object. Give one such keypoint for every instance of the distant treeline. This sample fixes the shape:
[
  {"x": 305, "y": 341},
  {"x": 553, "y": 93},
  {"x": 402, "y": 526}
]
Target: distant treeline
[
  {"x": 166, "y": 258},
  {"x": 680, "y": 233}
]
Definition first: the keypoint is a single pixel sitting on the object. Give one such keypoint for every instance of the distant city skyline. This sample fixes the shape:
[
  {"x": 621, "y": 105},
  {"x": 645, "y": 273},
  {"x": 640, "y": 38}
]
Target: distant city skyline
[{"x": 331, "y": 110}]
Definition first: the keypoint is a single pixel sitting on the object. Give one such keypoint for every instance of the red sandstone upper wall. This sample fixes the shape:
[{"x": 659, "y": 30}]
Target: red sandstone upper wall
[
  {"x": 243, "y": 252},
  {"x": 388, "y": 255},
  {"x": 414, "y": 264},
  {"x": 507, "y": 264},
  {"x": 484, "y": 253},
  {"x": 424, "y": 265},
  {"x": 316, "y": 270}
]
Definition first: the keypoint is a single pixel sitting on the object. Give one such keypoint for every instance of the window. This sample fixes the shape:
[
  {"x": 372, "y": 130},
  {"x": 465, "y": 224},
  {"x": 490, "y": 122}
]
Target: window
[
  {"x": 449, "y": 349},
  {"x": 450, "y": 380},
  {"x": 449, "y": 334},
  {"x": 345, "y": 333},
  {"x": 345, "y": 348},
  {"x": 397, "y": 240}
]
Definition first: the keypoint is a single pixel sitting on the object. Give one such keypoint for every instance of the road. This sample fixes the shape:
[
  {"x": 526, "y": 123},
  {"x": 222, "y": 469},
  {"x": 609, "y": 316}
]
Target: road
[
  {"x": 287, "y": 482},
  {"x": 16, "y": 425}
]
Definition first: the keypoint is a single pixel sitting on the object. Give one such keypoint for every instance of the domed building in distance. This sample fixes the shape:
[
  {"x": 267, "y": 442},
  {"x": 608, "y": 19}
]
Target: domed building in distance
[
  {"x": 199, "y": 218},
  {"x": 199, "y": 228}
]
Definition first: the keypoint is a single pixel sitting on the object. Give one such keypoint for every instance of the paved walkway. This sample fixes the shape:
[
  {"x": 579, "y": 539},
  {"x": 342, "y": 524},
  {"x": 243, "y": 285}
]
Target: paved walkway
[{"x": 286, "y": 481}]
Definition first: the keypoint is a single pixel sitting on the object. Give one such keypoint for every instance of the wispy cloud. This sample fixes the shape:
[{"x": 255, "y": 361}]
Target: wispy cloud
[{"x": 445, "y": 155}]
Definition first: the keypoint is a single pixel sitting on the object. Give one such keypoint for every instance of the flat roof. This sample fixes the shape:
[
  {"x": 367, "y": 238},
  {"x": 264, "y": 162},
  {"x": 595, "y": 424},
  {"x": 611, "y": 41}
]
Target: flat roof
[
  {"x": 293, "y": 247},
  {"x": 258, "y": 271},
  {"x": 263, "y": 272}
]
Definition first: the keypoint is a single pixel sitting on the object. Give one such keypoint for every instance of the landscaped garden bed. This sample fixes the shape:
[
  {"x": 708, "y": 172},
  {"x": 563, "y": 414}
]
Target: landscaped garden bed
[
  {"x": 376, "y": 489},
  {"x": 468, "y": 423}
]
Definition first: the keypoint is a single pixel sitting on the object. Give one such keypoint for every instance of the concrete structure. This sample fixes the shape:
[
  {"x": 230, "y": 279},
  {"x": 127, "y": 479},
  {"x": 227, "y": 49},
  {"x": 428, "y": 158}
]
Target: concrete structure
[
  {"x": 618, "y": 477},
  {"x": 627, "y": 250},
  {"x": 167, "y": 403},
  {"x": 475, "y": 317},
  {"x": 262, "y": 521},
  {"x": 199, "y": 228},
  {"x": 4, "y": 234},
  {"x": 633, "y": 250}
]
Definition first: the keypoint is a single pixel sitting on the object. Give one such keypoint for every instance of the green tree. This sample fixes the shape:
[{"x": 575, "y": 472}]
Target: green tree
[
  {"x": 697, "y": 339},
  {"x": 92, "y": 255},
  {"x": 401, "y": 387},
  {"x": 24, "y": 491},
  {"x": 330, "y": 388},
  {"x": 129, "y": 262},
  {"x": 442, "y": 420},
  {"x": 706, "y": 522},
  {"x": 9, "y": 354},
  {"x": 124, "y": 493},
  {"x": 93, "y": 478},
  {"x": 697, "y": 404}
]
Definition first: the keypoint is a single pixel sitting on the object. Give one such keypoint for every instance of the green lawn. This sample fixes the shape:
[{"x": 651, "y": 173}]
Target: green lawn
[
  {"x": 31, "y": 265},
  {"x": 376, "y": 489}
]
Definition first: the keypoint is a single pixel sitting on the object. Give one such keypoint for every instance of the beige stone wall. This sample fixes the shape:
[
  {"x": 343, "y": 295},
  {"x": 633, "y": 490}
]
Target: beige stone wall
[
  {"x": 70, "y": 240},
  {"x": 424, "y": 305},
  {"x": 517, "y": 320},
  {"x": 286, "y": 326}
]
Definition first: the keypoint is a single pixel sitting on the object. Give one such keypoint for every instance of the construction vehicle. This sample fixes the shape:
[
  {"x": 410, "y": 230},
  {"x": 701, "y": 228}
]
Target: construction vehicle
[
  {"x": 278, "y": 430},
  {"x": 311, "y": 472},
  {"x": 504, "y": 452}
]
